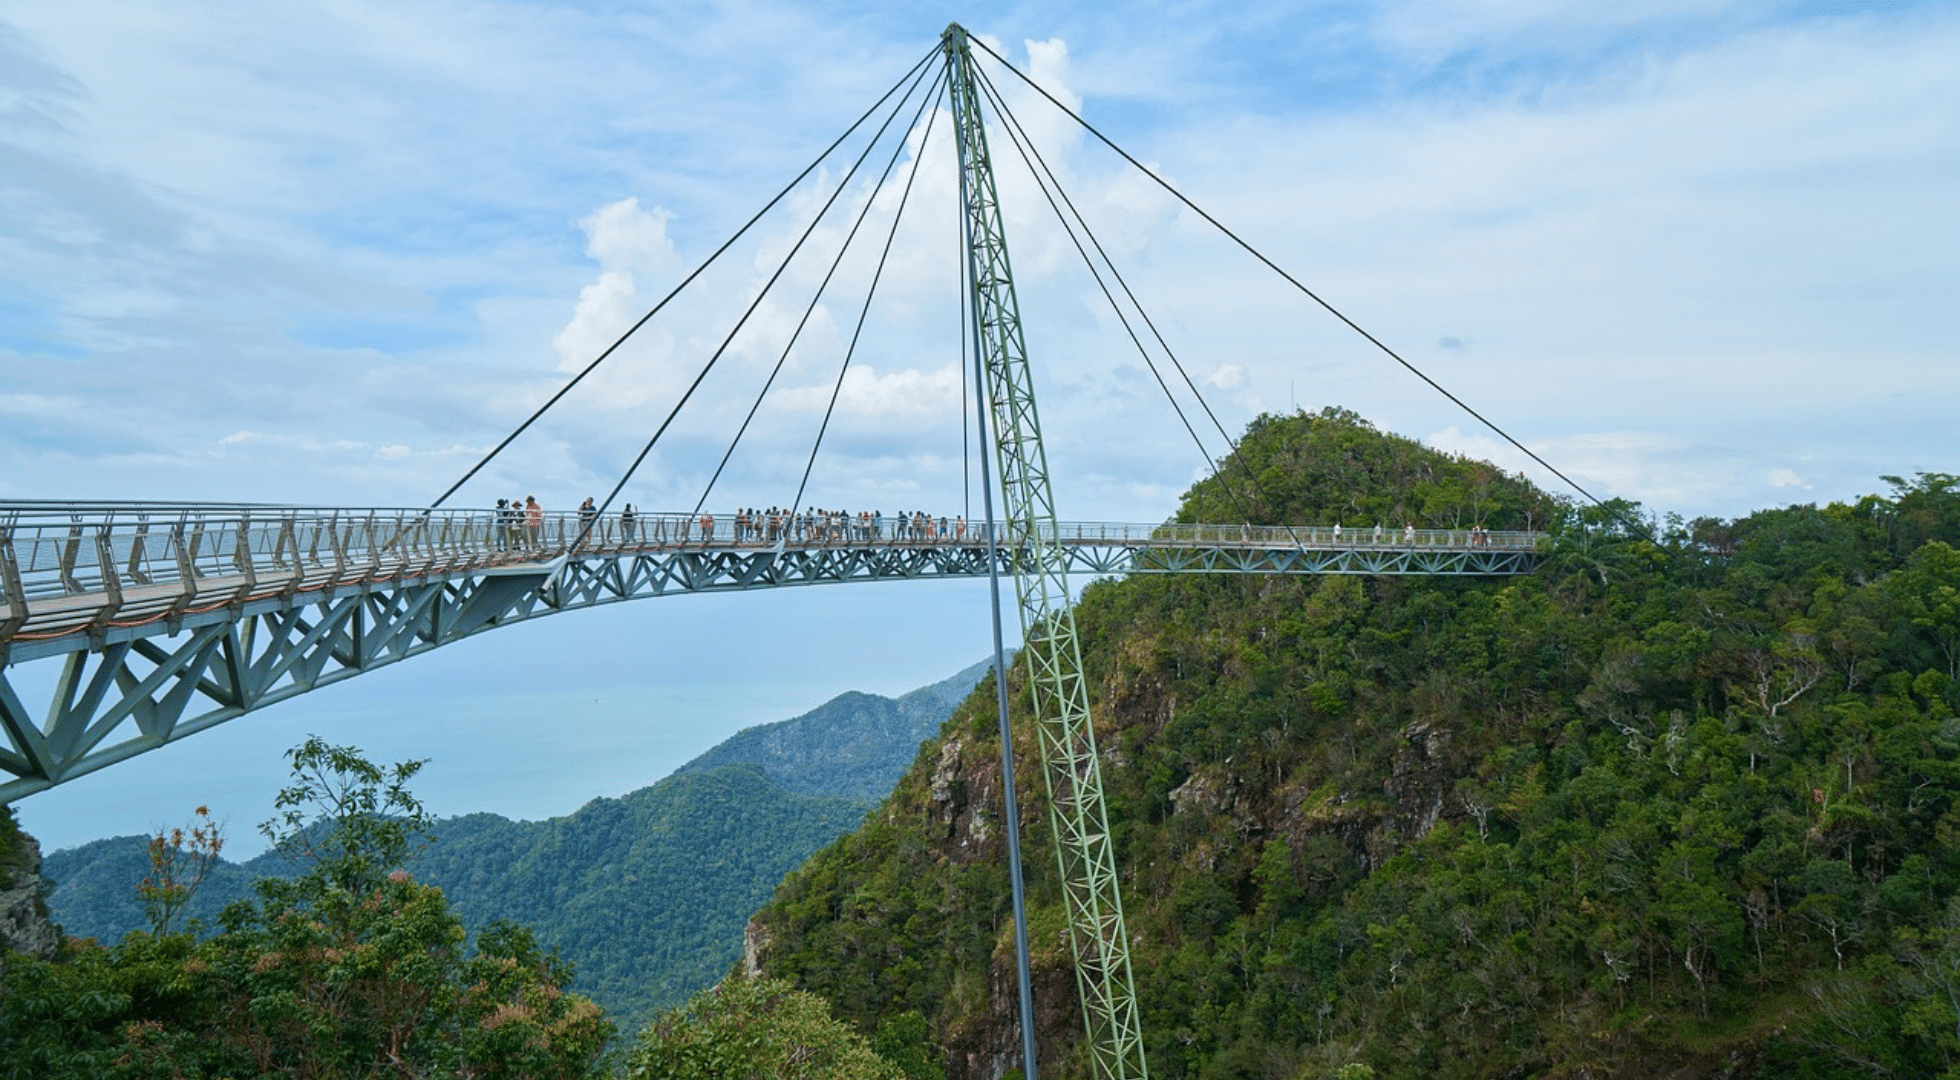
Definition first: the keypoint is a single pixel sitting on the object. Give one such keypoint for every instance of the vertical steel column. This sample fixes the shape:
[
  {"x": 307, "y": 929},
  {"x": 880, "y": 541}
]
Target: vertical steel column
[{"x": 1061, "y": 700}]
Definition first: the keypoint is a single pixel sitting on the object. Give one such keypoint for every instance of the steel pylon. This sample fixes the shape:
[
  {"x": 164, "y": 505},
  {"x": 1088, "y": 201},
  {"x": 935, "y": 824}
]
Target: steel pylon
[{"x": 1087, "y": 859}]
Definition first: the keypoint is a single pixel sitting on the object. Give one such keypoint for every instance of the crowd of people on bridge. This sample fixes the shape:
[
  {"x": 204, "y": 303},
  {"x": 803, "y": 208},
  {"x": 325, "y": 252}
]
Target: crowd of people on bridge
[
  {"x": 819, "y": 526},
  {"x": 519, "y": 524},
  {"x": 1476, "y": 537}
]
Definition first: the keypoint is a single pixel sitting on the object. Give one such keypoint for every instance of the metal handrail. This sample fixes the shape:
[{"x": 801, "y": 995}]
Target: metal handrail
[{"x": 77, "y": 549}]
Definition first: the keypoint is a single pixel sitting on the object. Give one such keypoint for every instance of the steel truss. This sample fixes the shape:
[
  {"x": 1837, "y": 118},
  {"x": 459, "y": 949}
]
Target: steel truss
[
  {"x": 1091, "y": 897},
  {"x": 151, "y": 658}
]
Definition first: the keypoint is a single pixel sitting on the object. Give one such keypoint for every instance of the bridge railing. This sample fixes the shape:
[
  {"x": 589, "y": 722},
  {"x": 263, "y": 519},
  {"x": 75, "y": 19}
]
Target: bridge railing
[
  {"x": 56, "y": 550},
  {"x": 113, "y": 549}
]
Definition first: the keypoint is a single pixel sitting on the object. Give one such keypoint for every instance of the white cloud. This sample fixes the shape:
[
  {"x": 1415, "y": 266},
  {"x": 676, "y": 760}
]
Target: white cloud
[
  {"x": 1786, "y": 478},
  {"x": 903, "y": 396},
  {"x": 606, "y": 308},
  {"x": 621, "y": 236},
  {"x": 1227, "y": 377},
  {"x": 626, "y": 241}
]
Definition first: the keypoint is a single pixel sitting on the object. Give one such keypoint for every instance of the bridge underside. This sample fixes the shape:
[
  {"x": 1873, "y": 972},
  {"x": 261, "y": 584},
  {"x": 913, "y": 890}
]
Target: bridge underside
[{"x": 150, "y": 670}]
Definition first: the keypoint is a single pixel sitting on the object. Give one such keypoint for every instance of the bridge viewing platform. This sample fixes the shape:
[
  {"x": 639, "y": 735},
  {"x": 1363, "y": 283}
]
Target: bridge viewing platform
[{"x": 168, "y": 619}]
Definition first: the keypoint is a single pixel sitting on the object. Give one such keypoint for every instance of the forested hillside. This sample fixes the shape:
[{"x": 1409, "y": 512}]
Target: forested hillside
[
  {"x": 1681, "y": 803},
  {"x": 645, "y": 894}
]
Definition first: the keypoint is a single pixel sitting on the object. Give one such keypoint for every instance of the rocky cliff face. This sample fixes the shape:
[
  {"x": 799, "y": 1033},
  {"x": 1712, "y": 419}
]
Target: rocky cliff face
[
  {"x": 964, "y": 806},
  {"x": 24, "y": 925},
  {"x": 942, "y": 828}
]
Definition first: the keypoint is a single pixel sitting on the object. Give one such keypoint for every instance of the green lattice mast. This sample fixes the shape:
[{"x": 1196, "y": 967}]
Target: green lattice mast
[{"x": 1061, "y": 700}]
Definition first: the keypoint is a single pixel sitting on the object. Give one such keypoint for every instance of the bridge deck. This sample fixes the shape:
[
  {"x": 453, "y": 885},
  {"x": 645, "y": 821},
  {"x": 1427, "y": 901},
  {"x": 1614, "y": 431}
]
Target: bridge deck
[
  {"x": 170, "y": 620},
  {"x": 73, "y": 577}
]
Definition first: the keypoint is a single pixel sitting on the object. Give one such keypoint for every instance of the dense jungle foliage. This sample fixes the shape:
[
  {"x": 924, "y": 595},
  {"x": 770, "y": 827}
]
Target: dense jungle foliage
[
  {"x": 1681, "y": 802},
  {"x": 325, "y": 957},
  {"x": 350, "y": 969},
  {"x": 645, "y": 895}
]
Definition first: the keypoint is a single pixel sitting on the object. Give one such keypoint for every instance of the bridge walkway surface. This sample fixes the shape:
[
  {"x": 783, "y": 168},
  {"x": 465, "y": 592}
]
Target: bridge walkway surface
[{"x": 171, "y": 618}]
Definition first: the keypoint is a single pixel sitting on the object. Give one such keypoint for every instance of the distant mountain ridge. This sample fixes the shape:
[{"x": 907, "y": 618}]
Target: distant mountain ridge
[
  {"x": 647, "y": 894},
  {"x": 854, "y": 745}
]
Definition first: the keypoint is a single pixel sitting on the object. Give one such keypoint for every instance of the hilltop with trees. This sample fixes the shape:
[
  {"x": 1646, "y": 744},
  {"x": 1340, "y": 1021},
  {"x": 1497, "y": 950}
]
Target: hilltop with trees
[{"x": 1682, "y": 802}]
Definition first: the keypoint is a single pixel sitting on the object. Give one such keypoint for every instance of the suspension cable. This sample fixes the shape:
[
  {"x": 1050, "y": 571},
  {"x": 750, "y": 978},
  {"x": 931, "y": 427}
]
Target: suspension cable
[
  {"x": 730, "y": 242},
  {"x": 1290, "y": 279},
  {"x": 870, "y": 292},
  {"x": 753, "y": 305},
  {"x": 1142, "y": 312},
  {"x": 864, "y": 212},
  {"x": 1017, "y": 136}
]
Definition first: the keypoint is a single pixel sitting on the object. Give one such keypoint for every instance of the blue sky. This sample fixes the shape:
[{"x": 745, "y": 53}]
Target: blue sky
[{"x": 1698, "y": 254}]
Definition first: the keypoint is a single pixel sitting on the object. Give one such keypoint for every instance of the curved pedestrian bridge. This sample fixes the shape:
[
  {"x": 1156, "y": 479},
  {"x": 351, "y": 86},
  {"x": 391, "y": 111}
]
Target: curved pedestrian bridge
[
  {"x": 171, "y": 618},
  {"x": 79, "y": 577}
]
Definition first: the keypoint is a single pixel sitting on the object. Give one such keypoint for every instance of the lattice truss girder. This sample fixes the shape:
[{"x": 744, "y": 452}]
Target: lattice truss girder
[
  {"x": 109, "y": 704},
  {"x": 125, "y": 697},
  {"x": 133, "y": 689},
  {"x": 1086, "y": 858}
]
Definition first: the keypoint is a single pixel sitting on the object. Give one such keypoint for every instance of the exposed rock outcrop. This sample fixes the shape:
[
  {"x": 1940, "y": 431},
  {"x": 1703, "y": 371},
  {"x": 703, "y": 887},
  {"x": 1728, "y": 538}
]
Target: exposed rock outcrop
[{"x": 24, "y": 925}]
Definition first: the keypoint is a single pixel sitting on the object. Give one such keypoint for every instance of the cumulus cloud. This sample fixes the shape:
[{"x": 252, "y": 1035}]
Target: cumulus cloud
[
  {"x": 621, "y": 236},
  {"x": 627, "y": 242},
  {"x": 605, "y": 309},
  {"x": 1786, "y": 478}
]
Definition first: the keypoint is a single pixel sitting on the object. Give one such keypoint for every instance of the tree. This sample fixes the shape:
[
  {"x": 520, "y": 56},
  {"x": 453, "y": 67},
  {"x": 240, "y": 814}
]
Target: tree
[
  {"x": 1931, "y": 981},
  {"x": 353, "y": 969},
  {"x": 1929, "y": 591},
  {"x": 351, "y": 820},
  {"x": 755, "y": 1029},
  {"x": 180, "y": 860}
]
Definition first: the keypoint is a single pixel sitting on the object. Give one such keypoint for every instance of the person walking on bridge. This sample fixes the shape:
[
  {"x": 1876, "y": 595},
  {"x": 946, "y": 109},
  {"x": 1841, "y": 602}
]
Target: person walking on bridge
[
  {"x": 588, "y": 516},
  {"x": 533, "y": 522}
]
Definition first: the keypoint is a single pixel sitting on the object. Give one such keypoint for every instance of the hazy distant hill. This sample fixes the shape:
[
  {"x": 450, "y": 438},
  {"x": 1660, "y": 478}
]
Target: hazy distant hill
[
  {"x": 647, "y": 893},
  {"x": 855, "y": 745},
  {"x": 95, "y": 886}
]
